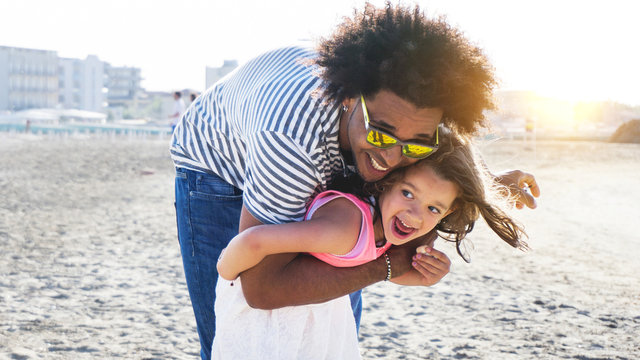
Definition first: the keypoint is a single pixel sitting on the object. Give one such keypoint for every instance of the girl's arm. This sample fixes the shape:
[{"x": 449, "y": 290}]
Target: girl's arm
[{"x": 334, "y": 228}]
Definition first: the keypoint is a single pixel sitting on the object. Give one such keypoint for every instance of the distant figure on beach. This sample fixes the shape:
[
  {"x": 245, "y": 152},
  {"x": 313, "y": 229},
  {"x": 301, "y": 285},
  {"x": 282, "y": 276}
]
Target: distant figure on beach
[
  {"x": 445, "y": 191},
  {"x": 529, "y": 125},
  {"x": 178, "y": 109},
  {"x": 279, "y": 129},
  {"x": 193, "y": 96},
  {"x": 529, "y": 133},
  {"x": 27, "y": 126}
]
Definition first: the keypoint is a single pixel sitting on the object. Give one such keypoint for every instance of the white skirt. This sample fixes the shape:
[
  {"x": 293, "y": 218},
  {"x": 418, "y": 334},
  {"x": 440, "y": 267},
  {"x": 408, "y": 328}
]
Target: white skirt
[{"x": 318, "y": 331}]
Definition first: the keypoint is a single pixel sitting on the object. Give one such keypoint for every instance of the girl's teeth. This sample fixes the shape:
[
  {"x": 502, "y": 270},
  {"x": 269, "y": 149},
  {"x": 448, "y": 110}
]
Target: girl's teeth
[{"x": 405, "y": 225}]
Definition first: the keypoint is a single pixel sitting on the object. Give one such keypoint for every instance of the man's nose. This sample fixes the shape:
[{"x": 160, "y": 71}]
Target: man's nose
[{"x": 393, "y": 156}]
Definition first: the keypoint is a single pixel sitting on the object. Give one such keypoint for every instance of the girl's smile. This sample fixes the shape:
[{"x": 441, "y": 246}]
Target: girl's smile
[{"x": 402, "y": 230}]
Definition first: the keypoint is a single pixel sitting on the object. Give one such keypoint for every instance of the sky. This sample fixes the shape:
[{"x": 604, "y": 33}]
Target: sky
[{"x": 571, "y": 50}]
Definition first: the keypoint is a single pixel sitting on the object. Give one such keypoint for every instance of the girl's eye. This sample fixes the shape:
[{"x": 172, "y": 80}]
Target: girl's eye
[
  {"x": 407, "y": 194},
  {"x": 434, "y": 210}
]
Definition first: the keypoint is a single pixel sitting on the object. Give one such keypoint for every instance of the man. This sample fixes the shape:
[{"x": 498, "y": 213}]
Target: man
[
  {"x": 258, "y": 145},
  {"x": 178, "y": 109}
]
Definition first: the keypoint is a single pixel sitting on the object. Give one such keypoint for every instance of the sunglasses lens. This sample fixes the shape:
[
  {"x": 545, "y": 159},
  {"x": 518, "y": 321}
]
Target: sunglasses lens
[
  {"x": 380, "y": 140},
  {"x": 417, "y": 151}
]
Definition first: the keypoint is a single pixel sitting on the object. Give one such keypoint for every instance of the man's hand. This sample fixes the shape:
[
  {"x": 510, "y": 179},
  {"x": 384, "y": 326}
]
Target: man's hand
[{"x": 522, "y": 186}]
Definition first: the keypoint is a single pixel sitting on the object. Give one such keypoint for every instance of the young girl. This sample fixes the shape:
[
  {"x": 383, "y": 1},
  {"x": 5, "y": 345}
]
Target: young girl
[{"x": 447, "y": 191}]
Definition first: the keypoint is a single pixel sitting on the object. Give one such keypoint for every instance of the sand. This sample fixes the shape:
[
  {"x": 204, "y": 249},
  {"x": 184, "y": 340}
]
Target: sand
[{"x": 90, "y": 264}]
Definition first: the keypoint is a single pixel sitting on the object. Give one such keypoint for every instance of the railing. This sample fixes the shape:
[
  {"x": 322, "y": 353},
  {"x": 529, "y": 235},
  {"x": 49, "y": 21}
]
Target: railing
[{"x": 88, "y": 130}]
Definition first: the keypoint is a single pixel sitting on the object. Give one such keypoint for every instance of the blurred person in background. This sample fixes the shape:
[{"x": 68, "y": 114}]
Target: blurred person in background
[{"x": 178, "y": 109}]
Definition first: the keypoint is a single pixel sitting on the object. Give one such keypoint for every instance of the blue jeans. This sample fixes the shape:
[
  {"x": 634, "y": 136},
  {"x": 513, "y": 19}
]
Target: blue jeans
[{"x": 208, "y": 217}]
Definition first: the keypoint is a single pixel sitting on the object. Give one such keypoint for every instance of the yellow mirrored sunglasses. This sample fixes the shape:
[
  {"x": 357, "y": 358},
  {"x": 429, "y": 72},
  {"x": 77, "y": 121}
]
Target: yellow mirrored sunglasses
[{"x": 384, "y": 140}]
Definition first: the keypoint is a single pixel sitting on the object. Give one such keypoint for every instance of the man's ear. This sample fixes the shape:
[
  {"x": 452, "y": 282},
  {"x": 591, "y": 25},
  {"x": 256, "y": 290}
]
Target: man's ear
[{"x": 350, "y": 103}]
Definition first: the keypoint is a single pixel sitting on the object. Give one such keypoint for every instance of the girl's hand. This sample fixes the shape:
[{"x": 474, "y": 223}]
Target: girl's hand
[{"x": 432, "y": 264}]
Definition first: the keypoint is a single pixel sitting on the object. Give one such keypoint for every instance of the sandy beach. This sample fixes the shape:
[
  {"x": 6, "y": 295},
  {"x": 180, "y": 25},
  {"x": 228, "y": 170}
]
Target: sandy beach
[{"x": 90, "y": 265}]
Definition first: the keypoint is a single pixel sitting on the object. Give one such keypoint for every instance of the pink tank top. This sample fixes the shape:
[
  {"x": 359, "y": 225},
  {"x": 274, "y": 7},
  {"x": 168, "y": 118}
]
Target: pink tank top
[{"x": 365, "y": 249}]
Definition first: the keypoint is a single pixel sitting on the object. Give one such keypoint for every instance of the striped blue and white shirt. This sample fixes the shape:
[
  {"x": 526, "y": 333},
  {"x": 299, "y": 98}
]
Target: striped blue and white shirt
[{"x": 266, "y": 129}]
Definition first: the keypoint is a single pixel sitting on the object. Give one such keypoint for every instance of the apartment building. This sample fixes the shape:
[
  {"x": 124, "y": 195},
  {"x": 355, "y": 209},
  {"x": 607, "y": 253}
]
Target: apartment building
[
  {"x": 31, "y": 78},
  {"x": 82, "y": 83},
  {"x": 28, "y": 78},
  {"x": 124, "y": 88}
]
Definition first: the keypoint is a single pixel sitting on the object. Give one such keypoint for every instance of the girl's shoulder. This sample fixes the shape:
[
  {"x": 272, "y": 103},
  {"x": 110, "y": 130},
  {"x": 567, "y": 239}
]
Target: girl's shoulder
[
  {"x": 337, "y": 222},
  {"x": 333, "y": 194},
  {"x": 329, "y": 196}
]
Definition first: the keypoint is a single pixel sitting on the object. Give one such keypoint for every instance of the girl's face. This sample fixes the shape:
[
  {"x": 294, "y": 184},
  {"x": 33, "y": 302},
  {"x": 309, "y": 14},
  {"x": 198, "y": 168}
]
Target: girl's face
[{"x": 414, "y": 205}]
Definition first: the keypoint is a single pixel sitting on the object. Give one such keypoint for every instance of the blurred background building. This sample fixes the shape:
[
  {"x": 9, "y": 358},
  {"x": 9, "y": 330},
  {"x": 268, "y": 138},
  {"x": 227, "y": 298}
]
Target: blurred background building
[
  {"x": 81, "y": 83},
  {"x": 28, "y": 78},
  {"x": 213, "y": 74},
  {"x": 32, "y": 79},
  {"x": 125, "y": 95},
  {"x": 40, "y": 79}
]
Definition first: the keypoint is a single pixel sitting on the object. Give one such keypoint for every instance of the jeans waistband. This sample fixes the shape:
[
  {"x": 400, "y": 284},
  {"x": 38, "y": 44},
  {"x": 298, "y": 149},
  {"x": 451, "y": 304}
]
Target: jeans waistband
[{"x": 199, "y": 176}]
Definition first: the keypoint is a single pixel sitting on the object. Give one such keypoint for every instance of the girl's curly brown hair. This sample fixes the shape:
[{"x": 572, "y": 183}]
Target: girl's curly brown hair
[{"x": 424, "y": 61}]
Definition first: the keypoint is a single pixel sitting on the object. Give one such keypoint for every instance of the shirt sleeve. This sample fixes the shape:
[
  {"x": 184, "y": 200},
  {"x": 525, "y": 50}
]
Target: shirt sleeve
[{"x": 280, "y": 178}]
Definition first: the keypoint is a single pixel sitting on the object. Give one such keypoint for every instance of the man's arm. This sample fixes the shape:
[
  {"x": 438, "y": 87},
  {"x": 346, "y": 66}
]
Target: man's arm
[{"x": 298, "y": 279}]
